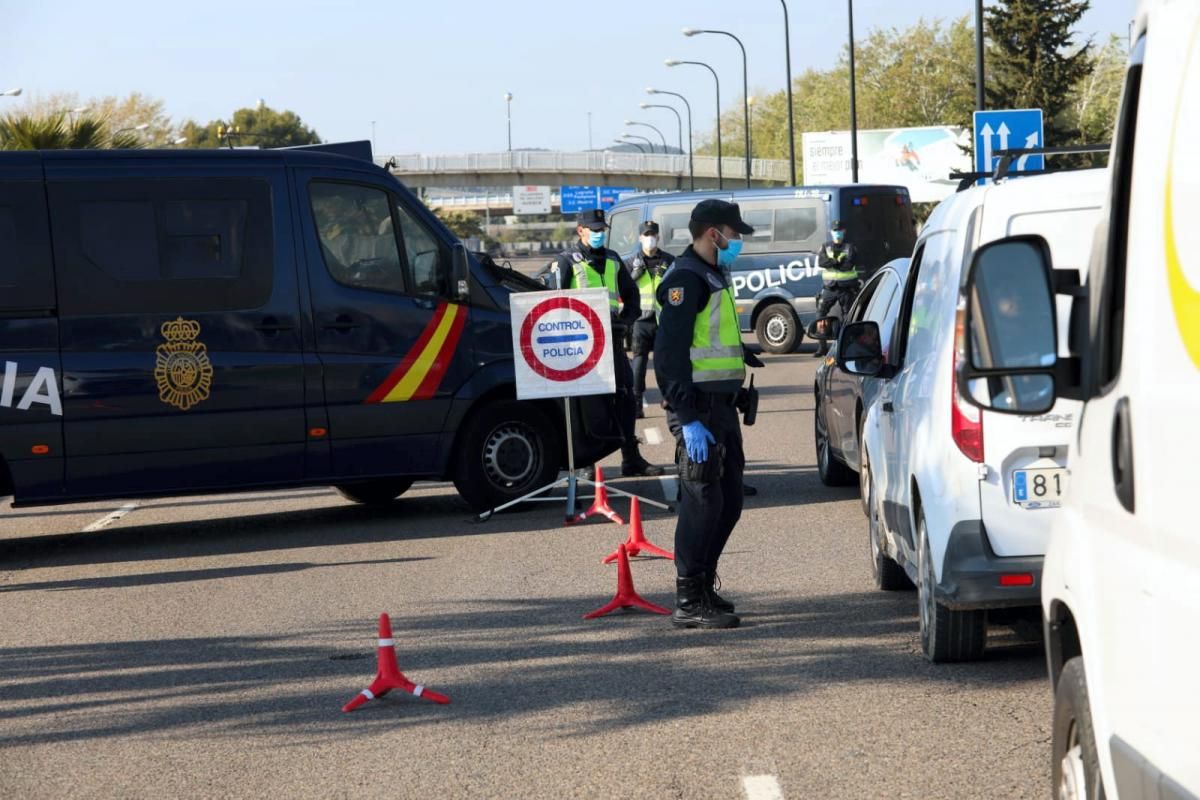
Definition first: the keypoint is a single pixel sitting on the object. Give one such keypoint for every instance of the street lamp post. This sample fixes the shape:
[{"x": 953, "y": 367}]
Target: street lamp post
[
  {"x": 629, "y": 136},
  {"x": 979, "y": 96},
  {"x": 674, "y": 62},
  {"x": 678, "y": 119},
  {"x": 142, "y": 127},
  {"x": 750, "y": 140},
  {"x": 745, "y": 89},
  {"x": 853, "y": 103},
  {"x": 787, "y": 47},
  {"x": 11, "y": 92},
  {"x": 508, "y": 101},
  {"x": 641, "y": 149},
  {"x": 651, "y": 127},
  {"x": 688, "y": 106}
]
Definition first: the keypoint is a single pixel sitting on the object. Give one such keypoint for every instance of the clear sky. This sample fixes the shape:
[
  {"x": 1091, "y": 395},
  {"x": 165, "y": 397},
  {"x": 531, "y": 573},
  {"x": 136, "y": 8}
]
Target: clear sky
[{"x": 433, "y": 73}]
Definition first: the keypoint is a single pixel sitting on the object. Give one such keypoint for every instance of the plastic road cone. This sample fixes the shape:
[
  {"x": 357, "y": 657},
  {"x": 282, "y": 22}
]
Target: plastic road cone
[
  {"x": 636, "y": 544},
  {"x": 627, "y": 596},
  {"x": 388, "y": 675},
  {"x": 600, "y": 504}
]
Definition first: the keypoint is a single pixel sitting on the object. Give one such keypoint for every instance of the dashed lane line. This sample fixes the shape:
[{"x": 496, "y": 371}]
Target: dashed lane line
[
  {"x": 762, "y": 787},
  {"x": 652, "y": 436},
  {"x": 109, "y": 519}
]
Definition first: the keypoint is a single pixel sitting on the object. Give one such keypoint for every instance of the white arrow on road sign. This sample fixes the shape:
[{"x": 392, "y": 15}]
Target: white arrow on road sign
[
  {"x": 1004, "y": 132},
  {"x": 1030, "y": 141},
  {"x": 986, "y": 132}
]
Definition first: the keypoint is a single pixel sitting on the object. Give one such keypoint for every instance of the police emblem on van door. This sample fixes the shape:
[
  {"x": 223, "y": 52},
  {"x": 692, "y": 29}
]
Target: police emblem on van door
[{"x": 182, "y": 368}]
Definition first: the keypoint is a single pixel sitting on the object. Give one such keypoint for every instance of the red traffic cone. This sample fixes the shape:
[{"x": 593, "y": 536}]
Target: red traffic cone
[
  {"x": 636, "y": 543},
  {"x": 388, "y": 675},
  {"x": 599, "y": 502},
  {"x": 626, "y": 596}
]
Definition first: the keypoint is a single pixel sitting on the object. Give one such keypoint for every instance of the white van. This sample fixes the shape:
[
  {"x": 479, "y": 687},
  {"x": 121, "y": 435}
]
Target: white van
[
  {"x": 1121, "y": 591},
  {"x": 960, "y": 501}
]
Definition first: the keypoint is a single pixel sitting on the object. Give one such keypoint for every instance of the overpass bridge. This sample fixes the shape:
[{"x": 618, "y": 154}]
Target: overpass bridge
[{"x": 588, "y": 168}]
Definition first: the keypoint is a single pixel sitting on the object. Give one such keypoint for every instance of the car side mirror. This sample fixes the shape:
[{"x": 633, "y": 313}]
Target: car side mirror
[
  {"x": 1007, "y": 345},
  {"x": 460, "y": 272},
  {"x": 860, "y": 349},
  {"x": 823, "y": 328}
]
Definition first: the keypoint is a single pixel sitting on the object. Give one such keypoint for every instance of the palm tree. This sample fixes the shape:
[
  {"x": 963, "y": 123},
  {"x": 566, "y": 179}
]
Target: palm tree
[{"x": 26, "y": 132}]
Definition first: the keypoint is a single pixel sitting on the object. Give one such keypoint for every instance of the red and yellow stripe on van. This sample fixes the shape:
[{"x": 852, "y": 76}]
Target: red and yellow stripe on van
[{"x": 417, "y": 377}]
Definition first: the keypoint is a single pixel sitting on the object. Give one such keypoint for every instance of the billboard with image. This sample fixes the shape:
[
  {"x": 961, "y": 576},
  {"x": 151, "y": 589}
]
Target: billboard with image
[{"x": 918, "y": 158}]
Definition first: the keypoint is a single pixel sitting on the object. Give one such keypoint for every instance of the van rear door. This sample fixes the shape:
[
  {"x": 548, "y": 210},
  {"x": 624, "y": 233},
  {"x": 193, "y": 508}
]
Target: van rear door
[
  {"x": 879, "y": 221},
  {"x": 30, "y": 387}
]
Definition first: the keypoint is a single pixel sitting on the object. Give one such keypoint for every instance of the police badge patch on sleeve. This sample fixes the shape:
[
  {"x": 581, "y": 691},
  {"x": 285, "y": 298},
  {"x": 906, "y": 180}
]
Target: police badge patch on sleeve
[{"x": 675, "y": 296}]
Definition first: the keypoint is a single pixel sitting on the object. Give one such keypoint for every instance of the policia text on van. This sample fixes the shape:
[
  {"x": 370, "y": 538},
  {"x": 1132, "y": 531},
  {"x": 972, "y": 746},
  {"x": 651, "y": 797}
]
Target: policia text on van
[{"x": 218, "y": 320}]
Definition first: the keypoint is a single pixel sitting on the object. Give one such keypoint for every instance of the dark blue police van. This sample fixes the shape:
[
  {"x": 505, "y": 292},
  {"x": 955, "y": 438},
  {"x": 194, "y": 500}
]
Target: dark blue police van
[
  {"x": 777, "y": 278},
  {"x": 215, "y": 320}
]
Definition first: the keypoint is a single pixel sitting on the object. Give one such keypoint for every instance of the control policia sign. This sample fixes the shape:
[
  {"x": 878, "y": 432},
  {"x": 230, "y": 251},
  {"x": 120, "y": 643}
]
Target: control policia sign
[{"x": 562, "y": 342}]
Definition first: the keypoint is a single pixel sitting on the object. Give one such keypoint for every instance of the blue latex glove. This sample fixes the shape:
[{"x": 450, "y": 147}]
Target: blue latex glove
[{"x": 696, "y": 438}]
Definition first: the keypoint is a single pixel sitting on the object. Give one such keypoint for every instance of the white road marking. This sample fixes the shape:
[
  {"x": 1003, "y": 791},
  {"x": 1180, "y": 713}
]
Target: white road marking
[
  {"x": 109, "y": 519},
  {"x": 670, "y": 487},
  {"x": 762, "y": 787},
  {"x": 652, "y": 436}
]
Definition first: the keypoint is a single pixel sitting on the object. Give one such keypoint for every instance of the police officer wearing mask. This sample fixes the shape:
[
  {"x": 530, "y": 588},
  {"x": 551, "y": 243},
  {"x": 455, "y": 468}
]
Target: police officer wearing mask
[
  {"x": 591, "y": 265},
  {"x": 839, "y": 270},
  {"x": 646, "y": 268},
  {"x": 698, "y": 361}
]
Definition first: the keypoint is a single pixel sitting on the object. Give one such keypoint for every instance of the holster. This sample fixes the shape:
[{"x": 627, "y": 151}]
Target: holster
[
  {"x": 747, "y": 403},
  {"x": 711, "y": 471}
]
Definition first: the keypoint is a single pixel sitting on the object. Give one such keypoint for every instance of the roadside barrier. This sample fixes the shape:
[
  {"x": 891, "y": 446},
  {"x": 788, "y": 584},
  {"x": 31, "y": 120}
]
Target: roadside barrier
[
  {"x": 388, "y": 675},
  {"x": 627, "y": 596},
  {"x": 636, "y": 544}
]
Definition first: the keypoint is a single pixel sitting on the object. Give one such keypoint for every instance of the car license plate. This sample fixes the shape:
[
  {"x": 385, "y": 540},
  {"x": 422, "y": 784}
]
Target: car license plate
[{"x": 1039, "y": 488}]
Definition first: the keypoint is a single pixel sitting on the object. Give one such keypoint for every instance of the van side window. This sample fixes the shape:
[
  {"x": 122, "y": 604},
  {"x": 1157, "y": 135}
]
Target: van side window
[
  {"x": 673, "y": 226},
  {"x": 26, "y": 272},
  {"x": 784, "y": 225},
  {"x": 163, "y": 245},
  {"x": 424, "y": 256},
  {"x": 358, "y": 240}
]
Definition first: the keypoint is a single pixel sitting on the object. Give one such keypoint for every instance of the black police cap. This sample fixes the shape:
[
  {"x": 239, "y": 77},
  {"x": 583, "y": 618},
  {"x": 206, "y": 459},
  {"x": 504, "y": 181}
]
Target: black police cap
[
  {"x": 592, "y": 218},
  {"x": 719, "y": 212},
  {"x": 649, "y": 226},
  {"x": 837, "y": 225}
]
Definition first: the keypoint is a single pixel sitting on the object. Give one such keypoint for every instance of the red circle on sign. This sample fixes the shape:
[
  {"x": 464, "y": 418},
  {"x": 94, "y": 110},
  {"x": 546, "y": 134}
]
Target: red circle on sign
[{"x": 582, "y": 309}]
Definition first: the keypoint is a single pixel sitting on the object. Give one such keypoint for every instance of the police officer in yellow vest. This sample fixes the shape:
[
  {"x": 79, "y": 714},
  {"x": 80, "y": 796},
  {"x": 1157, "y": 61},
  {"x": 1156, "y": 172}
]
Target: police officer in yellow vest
[
  {"x": 698, "y": 361},
  {"x": 646, "y": 268},
  {"x": 839, "y": 271},
  {"x": 591, "y": 265}
]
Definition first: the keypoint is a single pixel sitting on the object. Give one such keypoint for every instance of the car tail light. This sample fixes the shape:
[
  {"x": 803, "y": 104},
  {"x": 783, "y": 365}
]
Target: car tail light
[
  {"x": 966, "y": 420},
  {"x": 1017, "y": 579}
]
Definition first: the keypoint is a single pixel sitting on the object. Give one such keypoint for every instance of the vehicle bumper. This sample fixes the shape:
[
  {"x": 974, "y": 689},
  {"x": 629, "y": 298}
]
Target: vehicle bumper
[{"x": 971, "y": 573}]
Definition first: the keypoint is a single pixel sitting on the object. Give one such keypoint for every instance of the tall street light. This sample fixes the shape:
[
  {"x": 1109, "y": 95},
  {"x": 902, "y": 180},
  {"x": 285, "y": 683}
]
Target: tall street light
[
  {"x": 641, "y": 149},
  {"x": 11, "y": 92},
  {"x": 674, "y": 62},
  {"x": 853, "y": 103},
  {"x": 745, "y": 89},
  {"x": 750, "y": 102},
  {"x": 142, "y": 127},
  {"x": 691, "y": 167},
  {"x": 508, "y": 102},
  {"x": 787, "y": 48},
  {"x": 979, "y": 96},
  {"x": 631, "y": 136},
  {"x": 678, "y": 120},
  {"x": 630, "y": 122}
]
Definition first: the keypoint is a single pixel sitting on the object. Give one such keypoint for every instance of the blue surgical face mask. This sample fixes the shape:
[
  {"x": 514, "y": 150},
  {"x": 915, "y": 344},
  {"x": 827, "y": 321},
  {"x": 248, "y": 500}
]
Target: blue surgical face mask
[
  {"x": 596, "y": 239},
  {"x": 727, "y": 254},
  {"x": 839, "y": 237}
]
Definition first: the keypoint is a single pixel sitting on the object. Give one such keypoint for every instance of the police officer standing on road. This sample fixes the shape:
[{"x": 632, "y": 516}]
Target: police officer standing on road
[
  {"x": 646, "y": 268},
  {"x": 591, "y": 265},
  {"x": 839, "y": 270},
  {"x": 698, "y": 361}
]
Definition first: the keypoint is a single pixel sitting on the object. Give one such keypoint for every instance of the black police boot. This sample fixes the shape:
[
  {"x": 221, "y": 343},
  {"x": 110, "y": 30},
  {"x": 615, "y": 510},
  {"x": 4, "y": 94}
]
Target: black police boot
[
  {"x": 639, "y": 412},
  {"x": 694, "y": 608},
  {"x": 718, "y": 602},
  {"x": 637, "y": 465}
]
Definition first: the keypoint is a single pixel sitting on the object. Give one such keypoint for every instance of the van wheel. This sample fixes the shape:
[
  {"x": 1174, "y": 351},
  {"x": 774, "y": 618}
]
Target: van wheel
[
  {"x": 946, "y": 634},
  {"x": 889, "y": 576},
  {"x": 1075, "y": 763},
  {"x": 506, "y": 450},
  {"x": 830, "y": 468},
  {"x": 374, "y": 493},
  {"x": 778, "y": 329}
]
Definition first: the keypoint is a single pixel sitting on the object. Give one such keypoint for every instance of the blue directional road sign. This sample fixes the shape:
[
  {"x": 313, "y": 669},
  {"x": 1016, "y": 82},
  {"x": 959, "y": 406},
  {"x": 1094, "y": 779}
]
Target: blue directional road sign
[
  {"x": 581, "y": 198},
  {"x": 1009, "y": 129}
]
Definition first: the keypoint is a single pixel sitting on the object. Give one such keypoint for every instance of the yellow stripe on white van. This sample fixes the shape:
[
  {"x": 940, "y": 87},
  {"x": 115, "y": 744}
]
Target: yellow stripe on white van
[{"x": 1185, "y": 299}]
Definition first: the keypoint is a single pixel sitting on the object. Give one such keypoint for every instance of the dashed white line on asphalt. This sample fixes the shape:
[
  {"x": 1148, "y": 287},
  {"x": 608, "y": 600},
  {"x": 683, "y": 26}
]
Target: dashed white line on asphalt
[
  {"x": 670, "y": 487},
  {"x": 762, "y": 787},
  {"x": 109, "y": 519},
  {"x": 652, "y": 436}
]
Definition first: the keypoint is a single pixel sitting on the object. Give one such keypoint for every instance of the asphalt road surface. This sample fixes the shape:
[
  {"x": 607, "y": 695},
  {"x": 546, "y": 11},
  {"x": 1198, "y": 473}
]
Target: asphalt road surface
[{"x": 204, "y": 646}]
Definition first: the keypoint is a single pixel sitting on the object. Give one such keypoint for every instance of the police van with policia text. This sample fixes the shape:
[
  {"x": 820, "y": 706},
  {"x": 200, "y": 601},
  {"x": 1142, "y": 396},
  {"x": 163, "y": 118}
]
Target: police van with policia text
[
  {"x": 777, "y": 278},
  {"x": 219, "y": 320}
]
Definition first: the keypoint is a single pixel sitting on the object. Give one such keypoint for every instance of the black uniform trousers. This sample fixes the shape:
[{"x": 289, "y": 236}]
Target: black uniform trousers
[
  {"x": 626, "y": 406},
  {"x": 837, "y": 292},
  {"x": 643, "y": 345},
  {"x": 708, "y": 512}
]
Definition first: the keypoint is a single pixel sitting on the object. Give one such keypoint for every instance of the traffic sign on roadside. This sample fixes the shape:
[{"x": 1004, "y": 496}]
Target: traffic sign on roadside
[
  {"x": 1008, "y": 129},
  {"x": 581, "y": 198},
  {"x": 562, "y": 343}
]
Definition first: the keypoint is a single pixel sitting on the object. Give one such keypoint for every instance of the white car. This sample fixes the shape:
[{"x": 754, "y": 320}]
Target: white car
[
  {"x": 960, "y": 501},
  {"x": 1121, "y": 581}
]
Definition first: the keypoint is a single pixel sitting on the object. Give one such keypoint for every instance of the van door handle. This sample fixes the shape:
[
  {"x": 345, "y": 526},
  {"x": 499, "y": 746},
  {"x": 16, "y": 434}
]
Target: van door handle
[
  {"x": 1122, "y": 455},
  {"x": 342, "y": 322},
  {"x": 272, "y": 325},
  {"x": 888, "y": 408}
]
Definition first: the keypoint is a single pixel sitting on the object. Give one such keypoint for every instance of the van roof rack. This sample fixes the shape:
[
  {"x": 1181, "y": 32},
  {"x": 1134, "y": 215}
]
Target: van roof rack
[
  {"x": 360, "y": 149},
  {"x": 967, "y": 179}
]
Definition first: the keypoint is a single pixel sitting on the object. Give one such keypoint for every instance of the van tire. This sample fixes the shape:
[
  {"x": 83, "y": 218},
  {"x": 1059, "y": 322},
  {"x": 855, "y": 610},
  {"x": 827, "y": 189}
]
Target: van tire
[
  {"x": 374, "y": 493},
  {"x": 946, "y": 634},
  {"x": 778, "y": 329},
  {"x": 830, "y": 469},
  {"x": 506, "y": 450},
  {"x": 1073, "y": 741}
]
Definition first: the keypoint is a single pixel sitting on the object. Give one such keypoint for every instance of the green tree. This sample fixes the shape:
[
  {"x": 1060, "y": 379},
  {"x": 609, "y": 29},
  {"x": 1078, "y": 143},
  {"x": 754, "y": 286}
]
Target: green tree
[
  {"x": 463, "y": 224},
  {"x": 262, "y": 126},
  {"x": 126, "y": 114},
  {"x": 1096, "y": 98},
  {"x": 1034, "y": 61},
  {"x": 26, "y": 132}
]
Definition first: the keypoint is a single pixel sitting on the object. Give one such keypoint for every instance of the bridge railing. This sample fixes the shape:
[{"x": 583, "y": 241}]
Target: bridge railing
[{"x": 599, "y": 161}]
